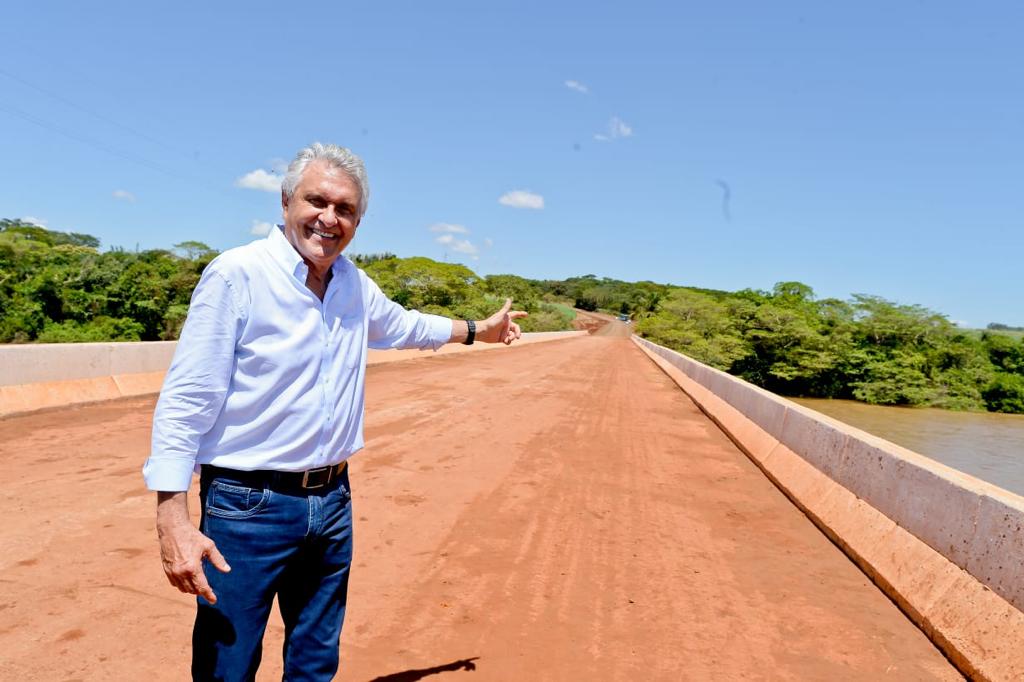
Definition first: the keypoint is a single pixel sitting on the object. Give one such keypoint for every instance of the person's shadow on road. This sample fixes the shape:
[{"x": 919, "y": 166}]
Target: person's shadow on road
[{"x": 413, "y": 675}]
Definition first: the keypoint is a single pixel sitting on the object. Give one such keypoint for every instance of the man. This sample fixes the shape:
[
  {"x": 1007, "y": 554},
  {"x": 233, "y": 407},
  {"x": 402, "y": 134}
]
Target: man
[{"x": 265, "y": 398}]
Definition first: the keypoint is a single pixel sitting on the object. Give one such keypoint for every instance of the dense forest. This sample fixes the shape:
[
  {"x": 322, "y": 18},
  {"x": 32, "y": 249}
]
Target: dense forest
[
  {"x": 59, "y": 287},
  {"x": 790, "y": 342}
]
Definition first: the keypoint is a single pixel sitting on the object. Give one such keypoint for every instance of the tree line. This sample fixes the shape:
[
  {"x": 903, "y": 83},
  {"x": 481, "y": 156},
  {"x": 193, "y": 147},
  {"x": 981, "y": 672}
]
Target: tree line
[
  {"x": 792, "y": 343},
  {"x": 59, "y": 287}
]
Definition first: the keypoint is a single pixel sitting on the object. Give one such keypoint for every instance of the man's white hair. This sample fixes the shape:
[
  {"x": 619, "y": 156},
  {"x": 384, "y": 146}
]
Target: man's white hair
[{"x": 336, "y": 157}]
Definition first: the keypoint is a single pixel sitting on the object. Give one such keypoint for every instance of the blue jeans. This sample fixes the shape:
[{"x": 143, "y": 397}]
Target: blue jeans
[{"x": 295, "y": 546}]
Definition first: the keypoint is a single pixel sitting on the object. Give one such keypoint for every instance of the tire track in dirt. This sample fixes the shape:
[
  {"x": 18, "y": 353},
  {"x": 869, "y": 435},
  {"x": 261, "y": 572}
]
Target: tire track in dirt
[{"x": 626, "y": 539}]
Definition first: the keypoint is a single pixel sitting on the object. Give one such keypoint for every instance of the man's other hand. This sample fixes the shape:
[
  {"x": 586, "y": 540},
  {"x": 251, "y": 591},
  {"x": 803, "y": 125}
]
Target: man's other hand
[
  {"x": 183, "y": 547},
  {"x": 500, "y": 327}
]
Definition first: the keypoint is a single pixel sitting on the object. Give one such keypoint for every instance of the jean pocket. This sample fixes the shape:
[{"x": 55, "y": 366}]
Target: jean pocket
[
  {"x": 234, "y": 501},
  {"x": 343, "y": 491}
]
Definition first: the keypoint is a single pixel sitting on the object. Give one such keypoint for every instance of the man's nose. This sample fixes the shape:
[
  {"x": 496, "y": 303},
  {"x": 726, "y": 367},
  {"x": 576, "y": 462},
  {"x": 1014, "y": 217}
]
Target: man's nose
[{"x": 329, "y": 217}]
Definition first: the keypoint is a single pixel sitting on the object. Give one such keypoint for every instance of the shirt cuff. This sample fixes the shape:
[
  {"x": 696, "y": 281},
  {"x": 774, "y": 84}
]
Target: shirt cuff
[
  {"x": 440, "y": 330},
  {"x": 168, "y": 474}
]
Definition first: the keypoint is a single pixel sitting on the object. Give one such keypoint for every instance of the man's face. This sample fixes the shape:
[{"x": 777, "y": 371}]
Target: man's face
[{"x": 321, "y": 217}]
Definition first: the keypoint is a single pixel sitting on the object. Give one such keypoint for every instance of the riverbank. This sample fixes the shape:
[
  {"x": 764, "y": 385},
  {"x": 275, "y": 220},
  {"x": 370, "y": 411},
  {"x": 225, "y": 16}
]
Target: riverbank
[{"x": 988, "y": 445}]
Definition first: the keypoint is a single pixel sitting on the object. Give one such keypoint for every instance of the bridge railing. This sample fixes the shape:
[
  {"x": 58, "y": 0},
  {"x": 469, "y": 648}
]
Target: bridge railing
[
  {"x": 50, "y": 375},
  {"x": 946, "y": 546}
]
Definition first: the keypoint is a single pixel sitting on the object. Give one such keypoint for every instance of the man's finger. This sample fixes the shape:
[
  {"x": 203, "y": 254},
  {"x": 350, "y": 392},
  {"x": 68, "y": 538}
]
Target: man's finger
[
  {"x": 516, "y": 314},
  {"x": 176, "y": 582},
  {"x": 203, "y": 589},
  {"x": 217, "y": 559},
  {"x": 505, "y": 308}
]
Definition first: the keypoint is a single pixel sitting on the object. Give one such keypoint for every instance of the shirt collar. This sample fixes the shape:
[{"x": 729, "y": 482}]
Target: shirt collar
[{"x": 287, "y": 257}]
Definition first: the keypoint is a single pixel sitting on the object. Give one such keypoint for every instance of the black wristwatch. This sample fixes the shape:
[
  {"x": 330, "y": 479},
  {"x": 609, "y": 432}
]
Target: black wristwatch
[{"x": 472, "y": 332}]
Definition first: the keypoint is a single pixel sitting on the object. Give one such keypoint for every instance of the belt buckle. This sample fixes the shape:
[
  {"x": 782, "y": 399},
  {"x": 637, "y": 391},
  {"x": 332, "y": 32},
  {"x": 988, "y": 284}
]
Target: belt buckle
[{"x": 305, "y": 478}]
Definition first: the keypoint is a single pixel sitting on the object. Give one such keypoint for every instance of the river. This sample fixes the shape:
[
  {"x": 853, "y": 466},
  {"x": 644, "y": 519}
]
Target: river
[{"x": 983, "y": 444}]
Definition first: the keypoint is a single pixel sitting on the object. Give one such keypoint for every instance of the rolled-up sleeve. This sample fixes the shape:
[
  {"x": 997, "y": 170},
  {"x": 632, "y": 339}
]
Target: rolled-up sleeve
[
  {"x": 196, "y": 383},
  {"x": 392, "y": 326}
]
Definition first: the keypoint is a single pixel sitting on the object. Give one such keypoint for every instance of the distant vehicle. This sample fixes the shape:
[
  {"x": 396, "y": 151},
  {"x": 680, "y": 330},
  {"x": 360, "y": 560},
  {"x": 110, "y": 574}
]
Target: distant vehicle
[{"x": 623, "y": 317}]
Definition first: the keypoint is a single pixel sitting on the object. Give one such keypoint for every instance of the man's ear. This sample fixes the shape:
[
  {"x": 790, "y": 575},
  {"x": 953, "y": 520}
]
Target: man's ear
[{"x": 284, "y": 203}]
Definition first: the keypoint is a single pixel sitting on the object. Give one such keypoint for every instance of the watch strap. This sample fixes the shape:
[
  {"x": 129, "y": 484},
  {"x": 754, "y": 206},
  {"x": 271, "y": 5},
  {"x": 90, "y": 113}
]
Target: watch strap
[{"x": 472, "y": 332}]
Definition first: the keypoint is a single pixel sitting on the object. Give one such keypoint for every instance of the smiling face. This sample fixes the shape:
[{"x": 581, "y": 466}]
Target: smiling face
[{"x": 321, "y": 216}]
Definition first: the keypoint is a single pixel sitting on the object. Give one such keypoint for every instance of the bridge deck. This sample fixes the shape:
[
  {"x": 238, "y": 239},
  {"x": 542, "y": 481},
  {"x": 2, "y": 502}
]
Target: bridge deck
[{"x": 556, "y": 512}]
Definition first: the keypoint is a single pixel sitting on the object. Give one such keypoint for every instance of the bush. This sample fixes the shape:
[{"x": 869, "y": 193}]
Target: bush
[
  {"x": 547, "y": 317},
  {"x": 99, "y": 329},
  {"x": 1005, "y": 394}
]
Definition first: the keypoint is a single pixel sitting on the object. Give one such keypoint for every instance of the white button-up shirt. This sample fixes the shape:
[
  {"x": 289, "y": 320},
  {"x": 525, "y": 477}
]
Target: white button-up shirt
[{"x": 267, "y": 376}]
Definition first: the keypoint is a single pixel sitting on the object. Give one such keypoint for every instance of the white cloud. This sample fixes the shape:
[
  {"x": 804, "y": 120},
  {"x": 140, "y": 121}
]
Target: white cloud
[
  {"x": 449, "y": 228},
  {"x": 449, "y": 241},
  {"x": 488, "y": 242},
  {"x": 261, "y": 228},
  {"x": 123, "y": 195},
  {"x": 32, "y": 220},
  {"x": 616, "y": 128},
  {"x": 261, "y": 180},
  {"x": 521, "y": 199},
  {"x": 577, "y": 86}
]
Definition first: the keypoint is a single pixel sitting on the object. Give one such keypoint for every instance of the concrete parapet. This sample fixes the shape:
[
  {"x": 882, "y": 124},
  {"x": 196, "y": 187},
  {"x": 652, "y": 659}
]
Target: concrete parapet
[
  {"x": 48, "y": 375},
  {"x": 44, "y": 362},
  {"x": 946, "y": 547}
]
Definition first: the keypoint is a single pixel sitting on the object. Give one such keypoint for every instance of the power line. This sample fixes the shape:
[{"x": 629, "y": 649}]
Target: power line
[
  {"x": 107, "y": 149},
  {"x": 101, "y": 117}
]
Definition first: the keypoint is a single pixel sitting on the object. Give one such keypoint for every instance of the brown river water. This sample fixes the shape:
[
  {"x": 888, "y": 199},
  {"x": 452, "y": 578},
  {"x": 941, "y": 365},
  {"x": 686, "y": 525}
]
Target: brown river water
[{"x": 987, "y": 445}]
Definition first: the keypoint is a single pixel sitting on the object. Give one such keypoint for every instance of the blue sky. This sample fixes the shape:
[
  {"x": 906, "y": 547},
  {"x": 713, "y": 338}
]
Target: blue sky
[{"x": 866, "y": 148}]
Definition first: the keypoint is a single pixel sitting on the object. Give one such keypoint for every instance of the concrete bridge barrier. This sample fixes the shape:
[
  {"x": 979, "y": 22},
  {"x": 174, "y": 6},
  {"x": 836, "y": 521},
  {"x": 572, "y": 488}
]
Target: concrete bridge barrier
[
  {"x": 46, "y": 375},
  {"x": 948, "y": 548},
  {"x": 49, "y": 375}
]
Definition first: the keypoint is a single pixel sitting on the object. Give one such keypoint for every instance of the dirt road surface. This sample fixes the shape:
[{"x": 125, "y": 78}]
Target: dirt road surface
[
  {"x": 559, "y": 511},
  {"x": 600, "y": 324}
]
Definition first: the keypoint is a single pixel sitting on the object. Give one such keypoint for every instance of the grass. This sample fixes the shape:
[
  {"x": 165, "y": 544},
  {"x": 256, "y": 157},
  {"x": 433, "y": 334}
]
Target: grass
[
  {"x": 549, "y": 317},
  {"x": 564, "y": 310}
]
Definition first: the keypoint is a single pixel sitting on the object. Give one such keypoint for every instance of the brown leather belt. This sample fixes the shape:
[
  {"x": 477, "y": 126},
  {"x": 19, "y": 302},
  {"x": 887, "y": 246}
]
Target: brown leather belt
[{"x": 302, "y": 482}]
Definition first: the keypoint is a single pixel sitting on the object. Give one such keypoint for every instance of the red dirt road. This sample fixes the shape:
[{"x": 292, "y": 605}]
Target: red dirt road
[{"x": 559, "y": 511}]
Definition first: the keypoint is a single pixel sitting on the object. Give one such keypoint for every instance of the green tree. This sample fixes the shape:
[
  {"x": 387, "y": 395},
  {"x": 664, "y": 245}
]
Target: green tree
[
  {"x": 57, "y": 287},
  {"x": 193, "y": 250},
  {"x": 697, "y": 325},
  {"x": 425, "y": 284},
  {"x": 1005, "y": 352},
  {"x": 799, "y": 346},
  {"x": 1006, "y": 394}
]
